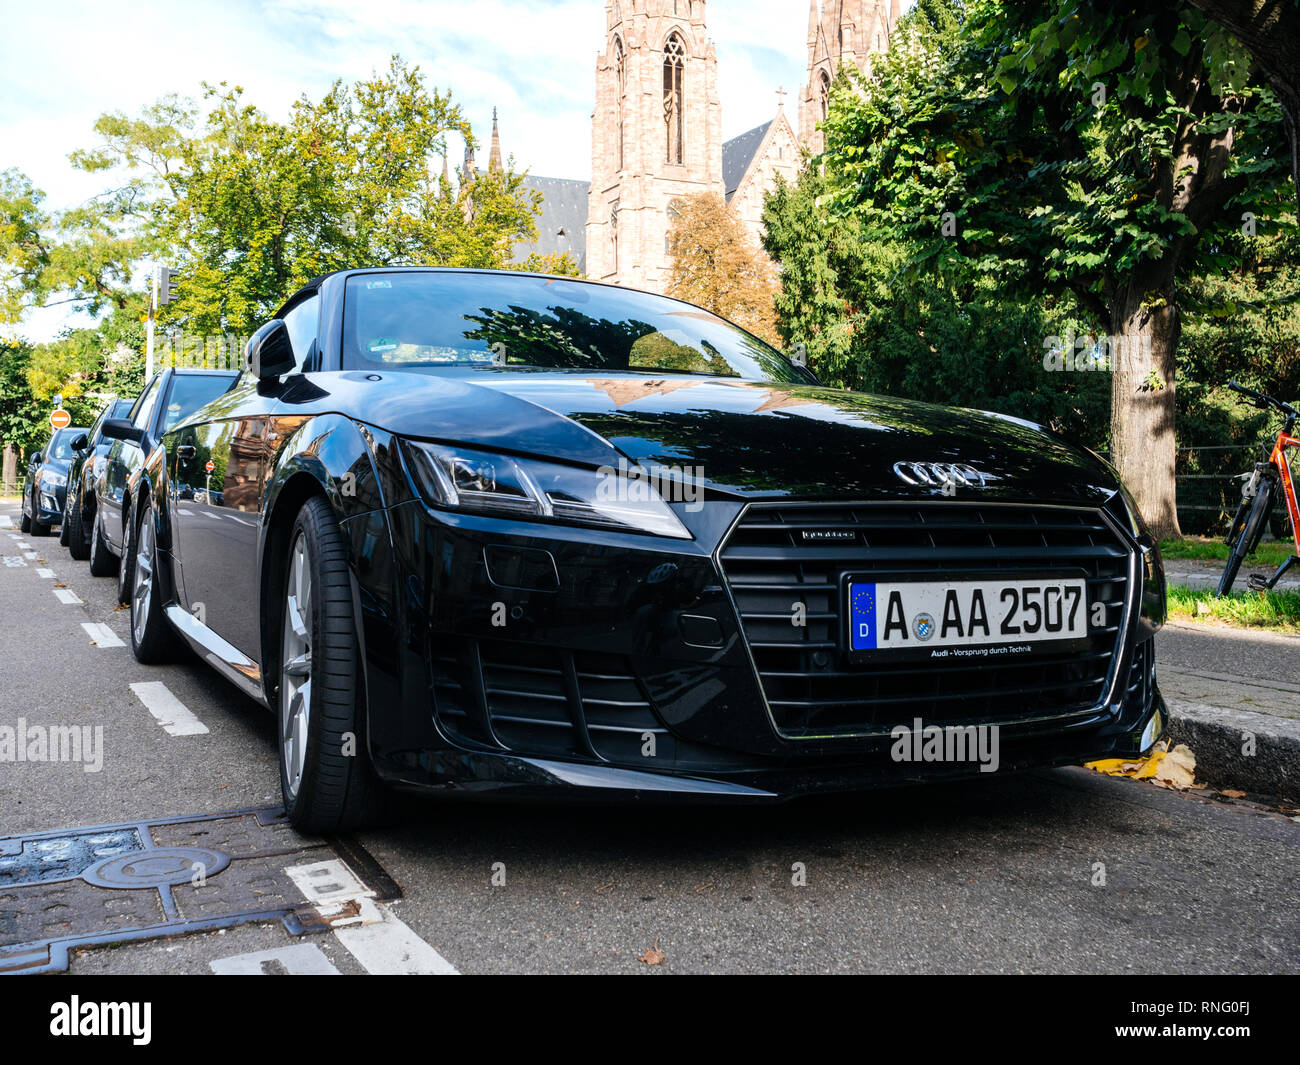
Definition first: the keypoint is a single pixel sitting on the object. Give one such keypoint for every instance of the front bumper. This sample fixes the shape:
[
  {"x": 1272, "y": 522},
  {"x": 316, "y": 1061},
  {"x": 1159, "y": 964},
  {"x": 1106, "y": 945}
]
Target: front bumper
[
  {"x": 503, "y": 659},
  {"x": 51, "y": 504}
]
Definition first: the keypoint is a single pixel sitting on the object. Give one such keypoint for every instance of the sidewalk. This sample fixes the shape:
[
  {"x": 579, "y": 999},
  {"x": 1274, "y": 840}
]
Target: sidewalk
[
  {"x": 1234, "y": 699},
  {"x": 1195, "y": 573}
]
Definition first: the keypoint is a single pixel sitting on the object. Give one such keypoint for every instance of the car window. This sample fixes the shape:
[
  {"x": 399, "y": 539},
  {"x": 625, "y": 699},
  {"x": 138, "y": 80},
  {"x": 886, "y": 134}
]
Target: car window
[
  {"x": 61, "y": 445},
  {"x": 144, "y": 409},
  {"x": 401, "y": 321},
  {"x": 104, "y": 415},
  {"x": 302, "y": 322},
  {"x": 190, "y": 392}
]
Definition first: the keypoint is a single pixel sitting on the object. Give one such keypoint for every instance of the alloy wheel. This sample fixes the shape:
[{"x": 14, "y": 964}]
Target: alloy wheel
[
  {"x": 142, "y": 592},
  {"x": 295, "y": 671}
]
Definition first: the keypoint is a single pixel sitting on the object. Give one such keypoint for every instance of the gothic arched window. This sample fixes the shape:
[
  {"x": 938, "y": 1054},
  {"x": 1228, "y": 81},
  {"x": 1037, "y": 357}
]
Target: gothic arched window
[
  {"x": 825, "y": 95},
  {"x": 620, "y": 63},
  {"x": 613, "y": 232},
  {"x": 674, "y": 65}
]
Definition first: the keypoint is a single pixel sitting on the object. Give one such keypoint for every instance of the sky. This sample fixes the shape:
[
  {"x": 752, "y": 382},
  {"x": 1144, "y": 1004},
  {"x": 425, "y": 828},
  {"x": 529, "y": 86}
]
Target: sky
[{"x": 63, "y": 64}]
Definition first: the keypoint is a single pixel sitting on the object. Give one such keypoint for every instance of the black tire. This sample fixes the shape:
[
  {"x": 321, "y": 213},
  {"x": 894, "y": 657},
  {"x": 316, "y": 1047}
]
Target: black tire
[
  {"x": 77, "y": 546},
  {"x": 25, "y": 523},
  {"x": 153, "y": 640},
  {"x": 1249, "y": 538},
  {"x": 126, "y": 565},
  {"x": 63, "y": 528},
  {"x": 103, "y": 563},
  {"x": 335, "y": 790},
  {"x": 39, "y": 528}
]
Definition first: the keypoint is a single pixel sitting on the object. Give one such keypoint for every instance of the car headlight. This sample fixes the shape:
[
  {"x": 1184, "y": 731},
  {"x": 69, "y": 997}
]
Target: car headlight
[
  {"x": 50, "y": 479},
  {"x": 483, "y": 482}
]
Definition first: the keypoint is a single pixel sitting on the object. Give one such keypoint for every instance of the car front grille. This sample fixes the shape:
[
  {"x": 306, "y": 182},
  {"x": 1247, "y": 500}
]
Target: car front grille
[
  {"x": 779, "y": 555},
  {"x": 540, "y": 701}
]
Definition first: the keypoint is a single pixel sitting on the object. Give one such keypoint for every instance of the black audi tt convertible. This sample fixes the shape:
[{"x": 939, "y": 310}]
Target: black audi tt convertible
[{"x": 502, "y": 534}]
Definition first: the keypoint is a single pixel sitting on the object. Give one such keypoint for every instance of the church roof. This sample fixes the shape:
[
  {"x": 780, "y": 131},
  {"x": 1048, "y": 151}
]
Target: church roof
[
  {"x": 562, "y": 225},
  {"x": 738, "y": 153}
]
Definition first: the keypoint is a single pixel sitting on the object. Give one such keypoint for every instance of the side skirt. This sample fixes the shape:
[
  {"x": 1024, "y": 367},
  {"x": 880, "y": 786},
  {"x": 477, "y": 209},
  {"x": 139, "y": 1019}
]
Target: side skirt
[{"x": 226, "y": 659}]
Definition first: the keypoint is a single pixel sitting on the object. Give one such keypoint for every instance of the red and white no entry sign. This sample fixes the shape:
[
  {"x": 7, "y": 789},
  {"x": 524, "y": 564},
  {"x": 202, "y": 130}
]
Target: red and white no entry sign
[
  {"x": 210, "y": 466},
  {"x": 60, "y": 419}
]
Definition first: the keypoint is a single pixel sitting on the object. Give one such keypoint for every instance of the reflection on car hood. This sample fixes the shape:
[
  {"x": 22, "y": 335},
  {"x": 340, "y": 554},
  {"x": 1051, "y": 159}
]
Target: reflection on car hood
[{"x": 748, "y": 438}]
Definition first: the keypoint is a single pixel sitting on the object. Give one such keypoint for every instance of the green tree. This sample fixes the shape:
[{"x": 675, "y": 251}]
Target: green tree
[
  {"x": 1101, "y": 153},
  {"x": 248, "y": 208},
  {"x": 951, "y": 338}
]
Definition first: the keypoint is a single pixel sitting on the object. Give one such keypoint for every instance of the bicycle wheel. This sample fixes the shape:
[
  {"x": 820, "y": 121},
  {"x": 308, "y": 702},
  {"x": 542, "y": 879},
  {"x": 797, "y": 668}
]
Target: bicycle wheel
[{"x": 1251, "y": 532}]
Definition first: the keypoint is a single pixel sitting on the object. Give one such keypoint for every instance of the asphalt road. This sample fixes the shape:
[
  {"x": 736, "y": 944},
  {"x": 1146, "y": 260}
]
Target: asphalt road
[{"x": 1059, "y": 871}]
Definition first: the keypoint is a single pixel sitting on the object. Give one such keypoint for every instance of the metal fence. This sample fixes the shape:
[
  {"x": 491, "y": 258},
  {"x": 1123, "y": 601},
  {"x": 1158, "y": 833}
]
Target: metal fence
[{"x": 1209, "y": 484}]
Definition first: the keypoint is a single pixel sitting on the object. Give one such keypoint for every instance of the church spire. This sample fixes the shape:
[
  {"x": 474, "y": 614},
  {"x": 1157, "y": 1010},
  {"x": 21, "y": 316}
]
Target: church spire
[
  {"x": 494, "y": 160},
  {"x": 814, "y": 21}
]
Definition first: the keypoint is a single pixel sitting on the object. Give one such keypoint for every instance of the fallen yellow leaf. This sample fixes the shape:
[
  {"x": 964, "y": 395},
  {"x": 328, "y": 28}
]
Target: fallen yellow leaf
[
  {"x": 652, "y": 955},
  {"x": 1171, "y": 769}
]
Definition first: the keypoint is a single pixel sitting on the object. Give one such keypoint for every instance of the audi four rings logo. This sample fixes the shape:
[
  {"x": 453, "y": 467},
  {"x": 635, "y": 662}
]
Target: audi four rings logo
[{"x": 939, "y": 474}]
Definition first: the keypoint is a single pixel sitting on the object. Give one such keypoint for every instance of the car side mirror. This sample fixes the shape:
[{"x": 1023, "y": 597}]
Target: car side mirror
[
  {"x": 121, "y": 429},
  {"x": 81, "y": 443},
  {"x": 38, "y": 458},
  {"x": 270, "y": 352}
]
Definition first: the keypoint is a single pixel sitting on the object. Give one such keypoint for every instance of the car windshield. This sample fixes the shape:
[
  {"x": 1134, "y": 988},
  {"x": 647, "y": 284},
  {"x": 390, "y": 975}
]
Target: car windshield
[
  {"x": 417, "y": 321},
  {"x": 61, "y": 445},
  {"x": 190, "y": 392}
]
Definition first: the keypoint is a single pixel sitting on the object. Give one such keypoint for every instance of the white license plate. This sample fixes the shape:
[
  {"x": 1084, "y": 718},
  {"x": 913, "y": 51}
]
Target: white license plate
[{"x": 918, "y": 615}]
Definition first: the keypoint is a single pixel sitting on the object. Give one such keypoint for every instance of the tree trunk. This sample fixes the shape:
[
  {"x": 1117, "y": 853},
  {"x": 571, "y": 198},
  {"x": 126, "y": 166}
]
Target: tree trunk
[
  {"x": 1145, "y": 328},
  {"x": 9, "y": 470},
  {"x": 1270, "y": 30}
]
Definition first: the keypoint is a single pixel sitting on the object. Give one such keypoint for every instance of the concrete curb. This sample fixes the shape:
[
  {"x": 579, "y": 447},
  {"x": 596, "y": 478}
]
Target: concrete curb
[{"x": 1220, "y": 738}]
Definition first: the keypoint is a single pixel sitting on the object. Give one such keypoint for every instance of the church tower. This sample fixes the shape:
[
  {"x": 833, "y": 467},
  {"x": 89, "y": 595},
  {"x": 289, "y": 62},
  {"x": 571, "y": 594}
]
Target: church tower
[
  {"x": 656, "y": 135},
  {"x": 843, "y": 31}
]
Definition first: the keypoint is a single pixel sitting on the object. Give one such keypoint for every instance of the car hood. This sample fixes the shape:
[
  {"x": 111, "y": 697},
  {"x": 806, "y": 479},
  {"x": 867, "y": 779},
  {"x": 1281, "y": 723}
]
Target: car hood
[{"x": 752, "y": 439}]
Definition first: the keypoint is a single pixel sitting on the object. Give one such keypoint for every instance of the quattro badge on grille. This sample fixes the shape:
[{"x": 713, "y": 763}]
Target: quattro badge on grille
[{"x": 823, "y": 536}]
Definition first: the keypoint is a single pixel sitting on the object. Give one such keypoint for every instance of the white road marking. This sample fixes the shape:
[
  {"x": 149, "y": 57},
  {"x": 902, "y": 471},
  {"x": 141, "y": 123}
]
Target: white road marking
[
  {"x": 101, "y": 634},
  {"x": 301, "y": 959},
  {"x": 186, "y": 511},
  {"x": 381, "y": 942},
  {"x": 30, "y": 554},
  {"x": 209, "y": 514},
  {"x": 391, "y": 948},
  {"x": 46, "y": 573},
  {"x": 15, "y": 561},
  {"x": 23, "y": 545},
  {"x": 67, "y": 595},
  {"x": 172, "y": 714},
  {"x": 6, "y": 522}
]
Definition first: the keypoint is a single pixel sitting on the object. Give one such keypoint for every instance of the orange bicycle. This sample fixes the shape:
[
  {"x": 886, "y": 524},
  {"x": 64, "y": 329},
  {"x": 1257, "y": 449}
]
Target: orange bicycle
[{"x": 1258, "y": 495}]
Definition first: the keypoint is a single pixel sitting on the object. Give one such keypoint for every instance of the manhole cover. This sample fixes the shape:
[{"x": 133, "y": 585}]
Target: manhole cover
[
  {"x": 156, "y": 867},
  {"x": 121, "y": 883}
]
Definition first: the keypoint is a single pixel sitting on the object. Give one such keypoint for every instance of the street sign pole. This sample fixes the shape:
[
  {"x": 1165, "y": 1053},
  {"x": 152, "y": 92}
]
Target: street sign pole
[{"x": 148, "y": 342}]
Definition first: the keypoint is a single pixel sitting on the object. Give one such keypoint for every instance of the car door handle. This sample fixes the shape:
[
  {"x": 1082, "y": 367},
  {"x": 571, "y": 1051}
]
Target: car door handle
[{"x": 186, "y": 451}]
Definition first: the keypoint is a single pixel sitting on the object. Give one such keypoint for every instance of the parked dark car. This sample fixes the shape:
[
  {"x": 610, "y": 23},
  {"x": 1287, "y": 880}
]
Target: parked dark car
[
  {"x": 88, "y": 462},
  {"x": 501, "y": 534},
  {"x": 45, "y": 484},
  {"x": 170, "y": 396}
]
